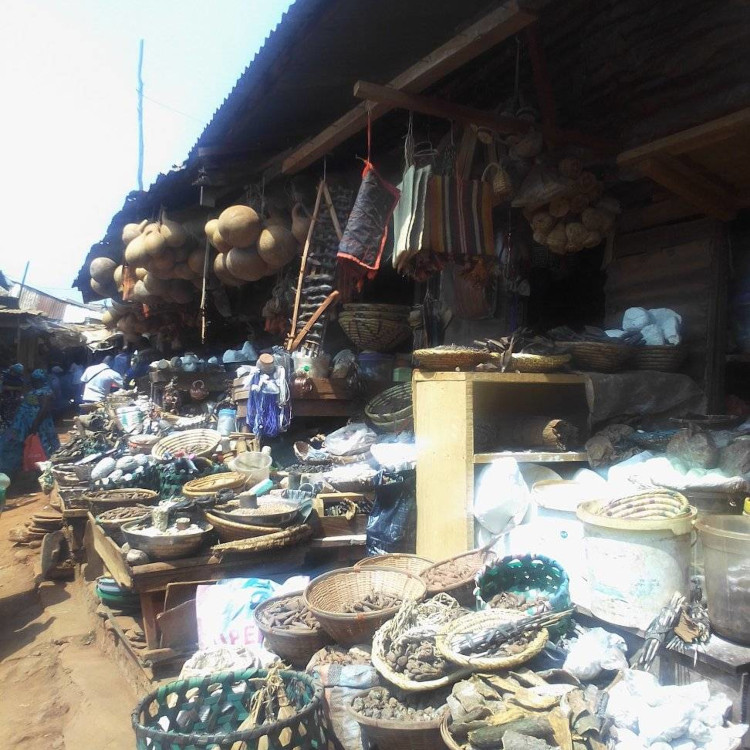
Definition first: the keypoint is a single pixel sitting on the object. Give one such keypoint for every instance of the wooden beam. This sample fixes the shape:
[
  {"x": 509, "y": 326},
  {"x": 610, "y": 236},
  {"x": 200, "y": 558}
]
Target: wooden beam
[
  {"x": 486, "y": 33},
  {"x": 659, "y": 212},
  {"x": 429, "y": 105},
  {"x": 691, "y": 139},
  {"x": 709, "y": 197}
]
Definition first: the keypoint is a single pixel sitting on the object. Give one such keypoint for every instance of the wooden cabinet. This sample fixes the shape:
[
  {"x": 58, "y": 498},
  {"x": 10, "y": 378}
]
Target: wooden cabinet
[{"x": 447, "y": 407}]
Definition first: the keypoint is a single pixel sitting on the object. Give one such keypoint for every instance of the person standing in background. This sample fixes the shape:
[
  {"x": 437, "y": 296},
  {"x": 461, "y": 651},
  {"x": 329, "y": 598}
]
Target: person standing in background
[{"x": 98, "y": 381}]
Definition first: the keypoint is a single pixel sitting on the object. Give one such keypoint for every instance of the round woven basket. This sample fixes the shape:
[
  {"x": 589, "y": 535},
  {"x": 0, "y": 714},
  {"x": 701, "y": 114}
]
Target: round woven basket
[
  {"x": 102, "y": 500},
  {"x": 142, "y": 443},
  {"x": 478, "y": 622},
  {"x": 266, "y": 542},
  {"x": 401, "y": 311},
  {"x": 391, "y": 410},
  {"x": 230, "y": 531},
  {"x": 450, "y": 358},
  {"x": 113, "y": 527},
  {"x": 397, "y": 561},
  {"x": 664, "y": 358},
  {"x": 210, "y": 485},
  {"x": 191, "y": 442},
  {"x": 600, "y": 356},
  {"x": 539, "y": 362},
  {"x": 446, "y": 735},
  {"x": 399, "y": 679},
  {"x": 328, "y": 595},
  {"x": 295, "y": 646},
  {"x": 643, "y": 506},
  {"x": 463, "y": 590},
  {"x": 221, "y": 701},
  {"x": 375, "y": 332},
  {"x": 396, "y": 735}
]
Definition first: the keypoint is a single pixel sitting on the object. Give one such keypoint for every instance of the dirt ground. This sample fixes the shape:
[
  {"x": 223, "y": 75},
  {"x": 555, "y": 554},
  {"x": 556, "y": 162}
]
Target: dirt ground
[{"x": 58, "y": 689}]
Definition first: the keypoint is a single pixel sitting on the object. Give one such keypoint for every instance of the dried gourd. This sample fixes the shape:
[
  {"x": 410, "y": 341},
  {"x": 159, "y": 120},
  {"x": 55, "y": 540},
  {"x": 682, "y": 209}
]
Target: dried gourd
[
  {"x": 172, "y": 232},
  {"x": 130, "y": 232},
  {"x": 276, "y": 246},
  {"x": 246, "y": 264},
  {"x": 570, "y": 167},
  {"x": 559, "y": 207},
  {"x": 239, "y": 226},
  {"x": 542, "y": 221},
  {"x": 135, "y": 252},
  {"x": 102, "y": 269}
]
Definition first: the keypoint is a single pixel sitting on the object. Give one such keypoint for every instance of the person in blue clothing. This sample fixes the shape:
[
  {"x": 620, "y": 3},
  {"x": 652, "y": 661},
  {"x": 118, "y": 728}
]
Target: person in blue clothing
[
  {"x": 121, "y": 362},
  {"x": 56, "y": 383}
]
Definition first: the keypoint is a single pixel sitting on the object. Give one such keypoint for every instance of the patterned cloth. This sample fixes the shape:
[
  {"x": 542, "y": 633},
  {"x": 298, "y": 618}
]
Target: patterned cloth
[{"x": 14, "y": 436}]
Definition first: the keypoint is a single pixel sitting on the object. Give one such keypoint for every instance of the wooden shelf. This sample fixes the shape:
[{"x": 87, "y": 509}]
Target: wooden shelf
[
  {"x": 529, "y": 456},
  {"x": 500, "y": 377}
]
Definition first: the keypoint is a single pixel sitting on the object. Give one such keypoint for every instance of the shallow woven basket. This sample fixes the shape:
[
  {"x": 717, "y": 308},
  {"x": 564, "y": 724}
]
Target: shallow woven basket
[
  {"x": 446, "y": 735},
  {"x": 399, "y": 679},
  {"x": 450, "y": 358},
  {"x": 539, "y": 362},
  {"x": 220, "y": 704},
  {"x": 294, "y": 646},
  {"x": 266, "y": 542},
  {"x": 101, "y": 500},
  {"x": 600, "y": 356},
  {"x": 663, "y": 358},
  {"x": 210, "y": 485},
  {"x": 114, "y": 527},
  {"x": 396, "y": 560},
  {"x": 391, "y": 410},
  {"x": 374, "y": 332},
  {"x": 327, "y": 595},
  {"x": 649, "y": 504},
  {"x": 193, "y": 442},
  {"x": 478, "y": 622},
  {"x": 230, "y": 531},
  {"x": 463, "y": 591},
  {"x": 396, "y": 735}
]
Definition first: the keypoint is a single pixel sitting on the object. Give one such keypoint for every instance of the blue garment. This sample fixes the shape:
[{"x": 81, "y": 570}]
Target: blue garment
[
  {"x": 14, "y": 437},
  {"x": 121, "y": 363},
  {"x": 138, "y": 370}
]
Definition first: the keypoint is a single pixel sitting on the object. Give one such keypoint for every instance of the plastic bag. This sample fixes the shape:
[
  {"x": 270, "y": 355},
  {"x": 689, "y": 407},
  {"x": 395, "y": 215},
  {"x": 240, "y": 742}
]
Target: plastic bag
[
  {"x": 594, "y": 651},
  {"x": 636, "y": 318},
  {"x": 33, "y": 453},
  {"x": 501, "y": 498},
  {"x": 349, "y": 440},
  {"x": 392, "y": 525}
]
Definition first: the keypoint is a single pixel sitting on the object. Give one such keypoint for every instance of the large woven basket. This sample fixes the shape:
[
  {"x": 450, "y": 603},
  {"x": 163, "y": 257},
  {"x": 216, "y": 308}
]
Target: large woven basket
[
  {"x": 329, "y": 594},
  {"x": 192, "y": 442},
  {"x": 101, "y": 500},
  {"x": 391, "y": 410},
  {"x": 478, "y": 622},
  {"x": 463, "y": 590},
  {"x": 113, "y": 527},
  {"x": 374, "y": 331},
  {"x": 210, "y": 485},
  {"x": 399, "y": 311},
  {"x": 601, "y": 356},
  {"x": 295, "y": 646},
  {"x": 450, "y": 357},
  {"x": 231, "y": 531},
  {"x": 539, "y": 362},
  {"x": 664, "y": 358},
  {"x": 397, "y": 735},
  {"x": 206, "y": 712},
  {"x": 396, "y": 560}
]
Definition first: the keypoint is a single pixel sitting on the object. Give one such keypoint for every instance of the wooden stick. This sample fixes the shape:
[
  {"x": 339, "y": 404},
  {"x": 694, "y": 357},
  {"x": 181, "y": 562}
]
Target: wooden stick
[
  {"x": 303, "y": 262},
  {"x": 327, "y": 302},
  {"x": 203, "y": 293},
  {"x": 332, "y": 210}
]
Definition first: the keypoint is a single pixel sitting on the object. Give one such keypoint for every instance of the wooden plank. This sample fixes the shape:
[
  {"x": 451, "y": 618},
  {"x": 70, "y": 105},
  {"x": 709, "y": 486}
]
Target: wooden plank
[
  {"x": 690, "y": 139},
  {"x": 429, "y": 105},
  {"x": 152, "y": 603},
  {"x": 541, "y": 456},
  {"x": 499, "y": 377},
  {"x": 659, "y": 212},
  {"x": 178, "y": 626},
  {"x": 110, "y": 555},
  {"x": 486, "y": 33}
]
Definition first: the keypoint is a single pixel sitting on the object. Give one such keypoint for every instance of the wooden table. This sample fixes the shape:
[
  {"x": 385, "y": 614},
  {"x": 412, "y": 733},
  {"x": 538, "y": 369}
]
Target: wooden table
[{"x": 150, "y": 581}]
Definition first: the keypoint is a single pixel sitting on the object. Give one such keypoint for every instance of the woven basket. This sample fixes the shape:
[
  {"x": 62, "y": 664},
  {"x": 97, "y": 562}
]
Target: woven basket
[
  {"x": 102, "y": 500},
  {"x": 649, "y": 504},
  {"x": 663, "y": 358},
  {"x": 446, "y": 736},
  {"x": 401, "y": 311},
  {"x": 266, "y": 542},
  {"x": 379, "y": 333},
  {"x": 230, "y": 531},
  {"x": 142, "y": 443},
  {"x": 391, "y": 410},
  {"x": 327, "y": 595},
  {"x": 477, "y": 622},
  {"x": 210, "y": 485},
  {"x": 396, "y": 561},
  {"x": 600, "y": 356},
  {"x": 450, "y": 358},
  {"x": 294, "y": 646},
  {"x": 191, "y": 442},
  {"x": 539, "y": 362},
  {"x": 463, "y": 591},
  {"x": 396, "y": 735},
  {"x": 399, "y": 679},
  {"x": 114, "y": 527},
  {"x": 219, "y": 704}
]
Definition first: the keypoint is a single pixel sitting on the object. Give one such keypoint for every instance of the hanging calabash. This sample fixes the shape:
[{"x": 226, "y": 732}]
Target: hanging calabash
[
  {"x": 277, "y": 246},
  {"x": 102, "y": 269},
  {"x": 240, "y": 226},
  {"x": 172, "y": 232},
  {"x": 246, "y": 264}
]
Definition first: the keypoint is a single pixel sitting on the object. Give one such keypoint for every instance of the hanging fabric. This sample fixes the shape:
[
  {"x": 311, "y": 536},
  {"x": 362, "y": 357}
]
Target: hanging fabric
[
  {"x": 361, "y": 247},
  {"x": 269, "y": 402}
]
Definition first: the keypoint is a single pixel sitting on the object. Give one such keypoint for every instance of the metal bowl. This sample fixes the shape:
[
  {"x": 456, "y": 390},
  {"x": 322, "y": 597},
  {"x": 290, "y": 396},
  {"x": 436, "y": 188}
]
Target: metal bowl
[{"x": 164, "y": 546}]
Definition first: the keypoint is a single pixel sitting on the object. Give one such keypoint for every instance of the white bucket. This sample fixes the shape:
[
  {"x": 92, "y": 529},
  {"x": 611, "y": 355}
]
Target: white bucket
[
  {"x": 635, "y": 566},
  {"x": 254, "y": 465}
]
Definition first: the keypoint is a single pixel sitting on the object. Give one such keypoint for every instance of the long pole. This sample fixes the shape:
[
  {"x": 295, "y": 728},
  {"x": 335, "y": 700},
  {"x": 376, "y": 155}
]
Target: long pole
[
  {"x": 140, "y": 115},
  {"x": 23, "y": 280}
]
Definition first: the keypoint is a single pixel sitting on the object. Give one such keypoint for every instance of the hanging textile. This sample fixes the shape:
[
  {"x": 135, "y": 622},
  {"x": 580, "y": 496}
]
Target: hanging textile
[
  {"x": 410, "y": 220},
  {"x": 269, "y": 402},
  {"x": 460, "y": 218}
]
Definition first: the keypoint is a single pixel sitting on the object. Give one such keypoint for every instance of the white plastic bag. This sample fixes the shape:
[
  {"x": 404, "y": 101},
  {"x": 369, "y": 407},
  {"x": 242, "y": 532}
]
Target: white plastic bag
[
  {"x": 349, "y": 440},
  {"x": 669, "y": 322},
  {"x": 635, "y": 319},
  {"x": 501, "y": 498},
  {"x": 652, "y": 335},
  {"x": 594, "y": 651}
]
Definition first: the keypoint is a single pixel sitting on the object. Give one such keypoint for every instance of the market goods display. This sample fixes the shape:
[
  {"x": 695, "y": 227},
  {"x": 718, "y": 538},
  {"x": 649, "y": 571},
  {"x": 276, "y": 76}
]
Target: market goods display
[
  {"x": 265, "y": 542},
  {"x": 373, "y": 603},
  {"x": 455, "y": 576},
  {"x": 255, "y": 709},
  {"x": 391, "y": 410},
  {"x": 189, "y": 442},
  {"x": 289, "y": 628},
  {"x": 231, "y": 530},
  {"x": 450, "y": 357},
  {"x": 101, "y": 500},
  {"x": 340, "y": 656},
  {"x": 601, "y": 356},
  {"x": 397, "y": 560},
  {"x": 171, "y": 543},
  {"x": 113, "y": 519}
]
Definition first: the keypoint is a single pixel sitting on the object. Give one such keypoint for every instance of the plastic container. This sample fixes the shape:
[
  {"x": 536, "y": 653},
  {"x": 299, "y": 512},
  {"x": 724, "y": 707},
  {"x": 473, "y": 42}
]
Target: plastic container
[
  {"x": 313, "y": 367},
  {"x": 227, "y": 422},
  {"x": 402, "y": 374},
  {"x": 726, "y": 547},
  {"x": 255, "y": 465},
  {"x": 375, "y": 366},
  {"x": 635, "y": 566}
]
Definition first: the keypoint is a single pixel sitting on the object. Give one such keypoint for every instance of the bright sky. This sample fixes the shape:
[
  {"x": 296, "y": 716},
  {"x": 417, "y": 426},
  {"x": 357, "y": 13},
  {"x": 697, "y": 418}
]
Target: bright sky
[{"x": 69, "y": 128}]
